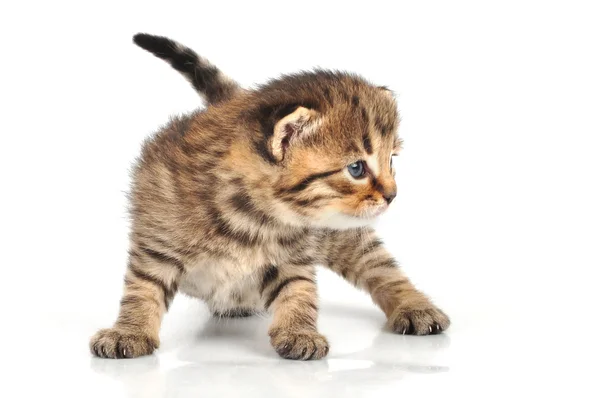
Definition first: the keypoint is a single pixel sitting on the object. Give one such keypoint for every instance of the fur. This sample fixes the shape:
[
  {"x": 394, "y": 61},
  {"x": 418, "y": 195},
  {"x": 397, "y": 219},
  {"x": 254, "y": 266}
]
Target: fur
[{"x": 238, "y": 203}]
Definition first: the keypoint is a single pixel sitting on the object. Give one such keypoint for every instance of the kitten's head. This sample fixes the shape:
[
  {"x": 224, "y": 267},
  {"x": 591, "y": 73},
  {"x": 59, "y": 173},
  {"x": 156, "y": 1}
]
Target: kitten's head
[{"x": 331, "y": 138}]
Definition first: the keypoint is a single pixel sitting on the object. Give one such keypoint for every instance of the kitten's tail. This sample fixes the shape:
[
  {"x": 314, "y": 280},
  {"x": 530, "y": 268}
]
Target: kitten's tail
[{"x": 206, "y": 78}]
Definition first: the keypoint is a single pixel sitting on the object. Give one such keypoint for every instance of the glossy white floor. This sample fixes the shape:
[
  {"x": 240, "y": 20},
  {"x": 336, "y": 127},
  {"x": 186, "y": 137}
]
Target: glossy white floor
[{"x": 504, "y": 341}]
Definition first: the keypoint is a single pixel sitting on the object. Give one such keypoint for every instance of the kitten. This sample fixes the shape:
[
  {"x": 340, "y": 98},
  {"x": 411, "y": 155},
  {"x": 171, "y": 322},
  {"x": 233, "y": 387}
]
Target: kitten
[{"x": 237, "y": 203}]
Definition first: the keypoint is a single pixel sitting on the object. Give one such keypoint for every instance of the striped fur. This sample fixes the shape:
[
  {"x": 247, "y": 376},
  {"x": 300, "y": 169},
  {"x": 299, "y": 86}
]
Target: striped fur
[
  {"x": 208, "y": 81},
  {"x": 360, "y": 257},
  {"x": 235, "y": 205}
]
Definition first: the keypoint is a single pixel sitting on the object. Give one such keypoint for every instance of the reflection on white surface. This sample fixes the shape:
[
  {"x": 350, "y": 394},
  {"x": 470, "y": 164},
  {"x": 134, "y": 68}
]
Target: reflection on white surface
[
  {"x": 497, "y": 349},
  {"x": 204, "y": 356},
  {"x": 337, "y": 365},
  {"x": 225, "y": 357}
]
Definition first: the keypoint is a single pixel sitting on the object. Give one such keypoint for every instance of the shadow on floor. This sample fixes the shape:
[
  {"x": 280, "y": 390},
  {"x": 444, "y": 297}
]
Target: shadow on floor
[{"x": 233, "y": 356}]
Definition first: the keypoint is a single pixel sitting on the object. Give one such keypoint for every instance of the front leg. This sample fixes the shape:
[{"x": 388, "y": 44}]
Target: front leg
[
  {"x": 290, "y": 292},
  {"x": 151, "y": 282},
  {"x": 359, "y": 257}
]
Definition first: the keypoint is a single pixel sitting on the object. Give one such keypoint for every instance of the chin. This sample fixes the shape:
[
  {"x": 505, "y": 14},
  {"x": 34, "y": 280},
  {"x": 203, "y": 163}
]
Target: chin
[{"x": 341, "y": 221}]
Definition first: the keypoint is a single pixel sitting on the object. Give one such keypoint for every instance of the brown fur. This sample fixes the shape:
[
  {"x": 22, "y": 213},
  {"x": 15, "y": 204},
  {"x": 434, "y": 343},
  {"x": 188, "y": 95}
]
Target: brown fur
[{"x": 235, "y": 207}]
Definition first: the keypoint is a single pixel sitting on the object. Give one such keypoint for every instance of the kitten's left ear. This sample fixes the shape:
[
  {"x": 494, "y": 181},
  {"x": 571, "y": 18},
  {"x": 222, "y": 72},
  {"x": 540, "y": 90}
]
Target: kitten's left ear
[
  {"x": 293, "y": 127},
  {"x": 397, "y": 146}
]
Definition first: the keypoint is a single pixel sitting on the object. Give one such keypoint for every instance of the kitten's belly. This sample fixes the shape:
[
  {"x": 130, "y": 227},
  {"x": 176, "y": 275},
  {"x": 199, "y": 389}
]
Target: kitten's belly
[{"x": 224, "y": 285}]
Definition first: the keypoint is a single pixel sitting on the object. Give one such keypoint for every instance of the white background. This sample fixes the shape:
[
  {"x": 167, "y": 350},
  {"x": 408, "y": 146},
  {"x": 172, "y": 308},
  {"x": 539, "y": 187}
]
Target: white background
[{"x": 497, "y": 217}]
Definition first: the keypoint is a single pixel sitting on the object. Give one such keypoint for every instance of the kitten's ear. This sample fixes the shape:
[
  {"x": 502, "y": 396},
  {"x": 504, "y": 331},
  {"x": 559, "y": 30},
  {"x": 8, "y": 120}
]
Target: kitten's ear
[
  {"x": 397, "y": 146},
  {"x": 298, "y": 124},
  {"x": 386, "y": 91}
]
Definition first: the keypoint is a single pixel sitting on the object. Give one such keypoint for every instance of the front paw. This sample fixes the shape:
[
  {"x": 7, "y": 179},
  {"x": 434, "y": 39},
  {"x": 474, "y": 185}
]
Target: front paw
[
  {"x": 303, "y": 345},
  {"x": 117, "y": 343},
  {"x": 419, "y": 320}
]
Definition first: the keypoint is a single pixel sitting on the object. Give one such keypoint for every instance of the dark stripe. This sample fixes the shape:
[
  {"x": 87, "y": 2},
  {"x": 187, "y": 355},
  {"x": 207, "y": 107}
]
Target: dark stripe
[
  {"x": 163, "y": 258},
  {"x": 377, "y": 185},
  {"x": 382, "y": 127},
  {"x": 355, "y": 100},
  {"x": 242, "y": 202},
  {"x": 302, "y": 261},
  {"x": 236, "y": 296},
  {"x": 367, "y": 143},
  {"x": 133, "y": 253},
  {"x": 131, "y": 300},
  {"x": 287, "y": 240},
  {"x": 261, "y": 148},
  {"x": 281, "y": 286},
  {"x": 270, "y": 275},
  {"x": 364, "y": 114},
  {"x": 204, "y": 77},
  {"x": 125, "y": 320},
  {"x": 305, "y": 202},
  {"x": 345, "y": 273},
  {"x": 235, "y": 313},
  {"x": 328, "y": 97},
  {"x": 387, "y": 263},
  {"x": 394, "y": 285},
  {"x": 169, "y": 246},
  {"x": 344, "y": 188},
  {"x": 308, "y": 202},
  {"x": 169, "y": 298},
  {"x": 352, "y": 147},
  {"x": 345, "y": 96},
  {"x": 372, "y": 246},
  {"x": 224, "y": 229},
  {"x": 304, "y": 319},
  {"x": 167, "y": 292},
  {"x": 181, "y": 124},
  {"x": 313, "y": 177}
]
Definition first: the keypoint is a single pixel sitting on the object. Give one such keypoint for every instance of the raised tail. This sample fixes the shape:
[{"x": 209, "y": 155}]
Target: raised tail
[{"x": 206, "y": 78}]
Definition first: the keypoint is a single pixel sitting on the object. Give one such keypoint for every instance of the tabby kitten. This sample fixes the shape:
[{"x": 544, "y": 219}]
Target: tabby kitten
[{"x": 237, "y": 203}]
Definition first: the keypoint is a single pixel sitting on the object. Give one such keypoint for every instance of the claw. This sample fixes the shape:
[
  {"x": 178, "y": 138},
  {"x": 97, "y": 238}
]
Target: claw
[
  {"x": 430, "y": 329},
  {"x": 438, "y": 326},
  {"x": 404, "y": 331}
]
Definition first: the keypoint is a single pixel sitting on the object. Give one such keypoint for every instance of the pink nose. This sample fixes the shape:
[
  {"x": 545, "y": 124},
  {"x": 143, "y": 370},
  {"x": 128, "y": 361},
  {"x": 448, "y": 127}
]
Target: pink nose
[{"x": 389, "y": 196}]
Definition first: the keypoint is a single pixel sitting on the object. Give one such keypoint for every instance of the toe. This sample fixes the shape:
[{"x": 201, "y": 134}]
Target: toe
[
  {"x": 301, "y": 346},
  {"x": 113, "y": 343}
]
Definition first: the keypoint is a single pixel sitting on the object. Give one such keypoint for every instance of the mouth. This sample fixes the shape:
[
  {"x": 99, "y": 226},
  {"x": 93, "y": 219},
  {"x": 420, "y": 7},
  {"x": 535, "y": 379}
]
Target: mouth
[{"x": 373, "y": 212}]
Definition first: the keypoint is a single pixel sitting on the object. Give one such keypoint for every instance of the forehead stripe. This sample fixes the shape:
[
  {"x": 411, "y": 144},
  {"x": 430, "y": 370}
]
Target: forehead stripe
[
  {"x": 367, "y": 143},
  {"x": 382, "y": 127}
]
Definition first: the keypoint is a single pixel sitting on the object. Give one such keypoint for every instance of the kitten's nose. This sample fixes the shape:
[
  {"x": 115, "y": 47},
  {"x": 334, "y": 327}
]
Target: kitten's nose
[{"x": 389, "y": 196}]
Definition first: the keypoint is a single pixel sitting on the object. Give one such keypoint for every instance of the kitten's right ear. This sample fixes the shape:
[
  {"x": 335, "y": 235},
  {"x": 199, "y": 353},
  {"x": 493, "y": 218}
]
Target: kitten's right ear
[{"x": 292, "y": 128}]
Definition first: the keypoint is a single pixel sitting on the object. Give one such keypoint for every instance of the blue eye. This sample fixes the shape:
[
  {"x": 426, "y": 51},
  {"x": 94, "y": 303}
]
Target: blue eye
[{"x": 357, "y": 170}]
